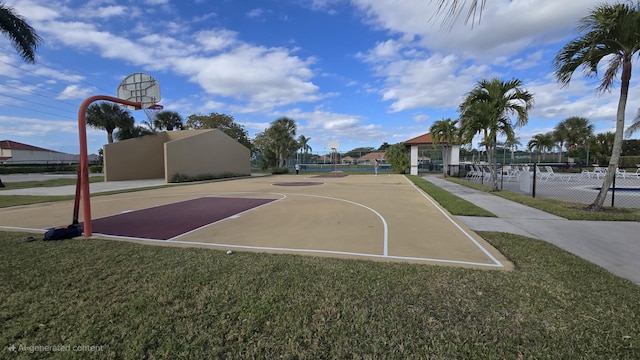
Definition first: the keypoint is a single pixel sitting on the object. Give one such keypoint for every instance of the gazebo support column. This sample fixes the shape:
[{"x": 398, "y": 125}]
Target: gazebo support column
[{"x": 414, "y": 159}]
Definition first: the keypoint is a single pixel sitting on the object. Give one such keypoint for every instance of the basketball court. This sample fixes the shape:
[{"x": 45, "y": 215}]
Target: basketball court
[{"x": 359, "y": 216}]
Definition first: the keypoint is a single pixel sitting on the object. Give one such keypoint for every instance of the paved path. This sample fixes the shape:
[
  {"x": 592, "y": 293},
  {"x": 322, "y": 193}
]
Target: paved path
[
  {"x": 94, "y": 188},
  {"x": 614, "y": 245}
]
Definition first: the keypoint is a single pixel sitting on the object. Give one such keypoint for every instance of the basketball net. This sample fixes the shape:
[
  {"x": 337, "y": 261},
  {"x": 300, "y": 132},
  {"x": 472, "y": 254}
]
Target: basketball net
[{"x": 151, "y": 113}]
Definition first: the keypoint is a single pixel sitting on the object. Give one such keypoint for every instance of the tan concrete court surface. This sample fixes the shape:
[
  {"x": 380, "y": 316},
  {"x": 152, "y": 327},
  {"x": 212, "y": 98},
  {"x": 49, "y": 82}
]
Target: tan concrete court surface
[{"x": 359, "y": 216}]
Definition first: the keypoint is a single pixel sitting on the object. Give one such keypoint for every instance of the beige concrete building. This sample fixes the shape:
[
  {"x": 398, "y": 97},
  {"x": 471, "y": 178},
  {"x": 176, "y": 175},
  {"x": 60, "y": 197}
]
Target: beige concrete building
[{"x": 189, "y": 153}]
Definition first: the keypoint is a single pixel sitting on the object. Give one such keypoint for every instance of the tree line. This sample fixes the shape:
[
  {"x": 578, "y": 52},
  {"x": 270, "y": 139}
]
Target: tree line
[{"x": 120, "y": 124}]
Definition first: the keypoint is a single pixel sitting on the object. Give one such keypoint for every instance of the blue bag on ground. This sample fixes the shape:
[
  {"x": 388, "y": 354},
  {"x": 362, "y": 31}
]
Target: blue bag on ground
[{"x": 68, "y": 232}]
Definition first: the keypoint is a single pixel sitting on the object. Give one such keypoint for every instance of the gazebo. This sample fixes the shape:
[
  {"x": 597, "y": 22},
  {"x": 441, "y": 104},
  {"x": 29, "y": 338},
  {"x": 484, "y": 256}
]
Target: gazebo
[{"x": 452, "y": 152}]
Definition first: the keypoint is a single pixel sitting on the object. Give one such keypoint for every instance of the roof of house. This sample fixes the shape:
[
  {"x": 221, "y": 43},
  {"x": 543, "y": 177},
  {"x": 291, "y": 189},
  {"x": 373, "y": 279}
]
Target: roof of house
[
  {"x": 420, "y": 140},
  {"x": 14, "y": 145},
  {"x": 376, "y": 155}
]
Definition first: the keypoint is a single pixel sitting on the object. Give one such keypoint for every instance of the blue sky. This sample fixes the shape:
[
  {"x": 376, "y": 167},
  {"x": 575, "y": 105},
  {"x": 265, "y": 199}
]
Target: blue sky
[{"x": 356, "y": 72}]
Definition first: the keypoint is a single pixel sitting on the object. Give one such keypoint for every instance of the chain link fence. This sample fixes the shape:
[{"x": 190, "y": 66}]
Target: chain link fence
[{"x": 560, "y": 181}]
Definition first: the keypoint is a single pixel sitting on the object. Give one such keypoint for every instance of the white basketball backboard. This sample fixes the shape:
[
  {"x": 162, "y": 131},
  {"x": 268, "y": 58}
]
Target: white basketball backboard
[
  {"x": 140, "y": 88},
  {"x": 334, "y": 146}
]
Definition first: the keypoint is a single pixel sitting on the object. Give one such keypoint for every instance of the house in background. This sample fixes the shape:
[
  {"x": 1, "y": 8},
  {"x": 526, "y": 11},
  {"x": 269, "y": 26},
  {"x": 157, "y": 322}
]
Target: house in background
[
  {"x": 348, "y": 160},
  {"x": 371, "y": 158},
  {"x": 13, "y": 152}
]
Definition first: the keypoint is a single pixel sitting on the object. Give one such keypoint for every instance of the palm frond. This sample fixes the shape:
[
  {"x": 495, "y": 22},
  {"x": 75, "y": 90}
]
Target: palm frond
[
  {"x": 21, "y": 34},
  {"x": 450, "y": 11},
  {"x": 633, "y": 127}
]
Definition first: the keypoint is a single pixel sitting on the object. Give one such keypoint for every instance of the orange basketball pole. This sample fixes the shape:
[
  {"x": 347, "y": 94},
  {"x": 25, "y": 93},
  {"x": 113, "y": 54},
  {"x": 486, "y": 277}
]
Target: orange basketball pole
[{"x": 84, "y": 157}]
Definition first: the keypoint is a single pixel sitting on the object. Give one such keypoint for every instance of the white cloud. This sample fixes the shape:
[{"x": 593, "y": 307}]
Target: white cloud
[
  {"x": 75, "y": 92},
  {"x": 419, "y": 118},
  {"x": 256, "y": 13},
  {"x": 507, "y": 26},
  {"x": 216, "y": 40},
  {"x": 428, "y": 82},
  {"x": 106, "y": 11},
  {"x": 259, "y": 75},
  {"x": 19, "y": 126}
]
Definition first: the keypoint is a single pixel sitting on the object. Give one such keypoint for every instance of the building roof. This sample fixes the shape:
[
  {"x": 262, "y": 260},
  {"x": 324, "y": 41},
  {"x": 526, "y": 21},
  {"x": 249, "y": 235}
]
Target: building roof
[
  {"x": 14, "y": 145},
  {"x": 376, "y": 155},
  {"x": 420, "y": 140}
]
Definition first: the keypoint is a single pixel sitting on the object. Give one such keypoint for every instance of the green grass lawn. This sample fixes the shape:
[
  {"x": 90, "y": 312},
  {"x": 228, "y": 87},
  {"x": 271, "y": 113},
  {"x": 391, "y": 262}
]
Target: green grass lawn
[
  {"x": 140, "y": 301},
  {"x": 454, "y": 204},
  {"x": 46, "y": 183}
]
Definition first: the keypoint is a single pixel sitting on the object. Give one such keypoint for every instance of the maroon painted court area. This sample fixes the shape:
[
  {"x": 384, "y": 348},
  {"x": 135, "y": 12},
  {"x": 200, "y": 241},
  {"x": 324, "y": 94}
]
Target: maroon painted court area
[{"x": 168, "y": 221}]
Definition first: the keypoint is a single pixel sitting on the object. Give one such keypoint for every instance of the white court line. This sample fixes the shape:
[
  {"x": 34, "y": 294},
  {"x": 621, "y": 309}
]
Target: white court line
[
  {"x": 312, "y": 251},
  {"x": 485, "y": 251},
  {"x": 229, "y": 217},
  {"x": 385, "y": 251},
  {"x": 385, "y": 255},
  {"x": 331, "y": 252}
]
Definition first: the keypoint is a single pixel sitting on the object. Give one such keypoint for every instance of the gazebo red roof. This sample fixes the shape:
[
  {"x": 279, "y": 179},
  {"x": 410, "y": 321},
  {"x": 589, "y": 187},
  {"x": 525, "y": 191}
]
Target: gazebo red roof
[{"x": 424, "y": 139}]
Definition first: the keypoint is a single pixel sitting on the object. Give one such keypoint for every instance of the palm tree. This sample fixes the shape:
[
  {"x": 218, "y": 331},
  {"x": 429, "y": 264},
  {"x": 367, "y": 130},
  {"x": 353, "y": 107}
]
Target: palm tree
[
  {"x": 444, "y": 131},
  {"x": 559, "y": 134},
  {"x": 131, "y": 132},
  {"x": 601, "y": 145},
  {"x": 541, "y": 143},
  {"x": 578, "y": 129},
  {"x": 109, "y": 116},
  {"x": 635, "y": 126},
  {"x": 168, "y": 120},
  {"x": 281, "y": 135},
  {"x": 512, "y": 144},
  {"x": 304, "y": 145},
  {"x": 611, "y": 32},
  {"x": 488, "y": 109},
  {"x": 21, "y": 34},
  {"x": 451, "y": 10}
]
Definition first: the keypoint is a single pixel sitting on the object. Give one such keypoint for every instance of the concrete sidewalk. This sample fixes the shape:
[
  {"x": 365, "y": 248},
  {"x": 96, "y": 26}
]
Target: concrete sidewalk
[
  {"x": 94, "y": 188},
  {"x": 614, "y": 245}
]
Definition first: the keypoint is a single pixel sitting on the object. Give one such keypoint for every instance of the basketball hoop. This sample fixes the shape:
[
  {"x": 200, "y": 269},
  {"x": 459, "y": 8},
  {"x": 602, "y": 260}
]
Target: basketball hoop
[
  {"x": 140, "y": 88},
  {"x": 334, "y": 146},
  {"x": 152, "y": 112},
  {"x": 137, "y": 91}
]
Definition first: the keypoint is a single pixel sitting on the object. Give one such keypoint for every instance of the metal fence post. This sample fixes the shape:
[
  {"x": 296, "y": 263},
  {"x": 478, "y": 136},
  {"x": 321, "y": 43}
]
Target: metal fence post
[
  {"x": 533, "y": 191},
  {"x": 613, "y": 190}
]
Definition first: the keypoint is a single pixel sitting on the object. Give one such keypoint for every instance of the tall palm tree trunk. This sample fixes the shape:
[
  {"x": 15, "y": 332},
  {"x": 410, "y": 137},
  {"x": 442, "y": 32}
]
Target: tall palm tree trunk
[
  {"x": 445, "y": 160},
  {"x": 494, "y": 163},
  {"x": 598, "y": 204}
]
